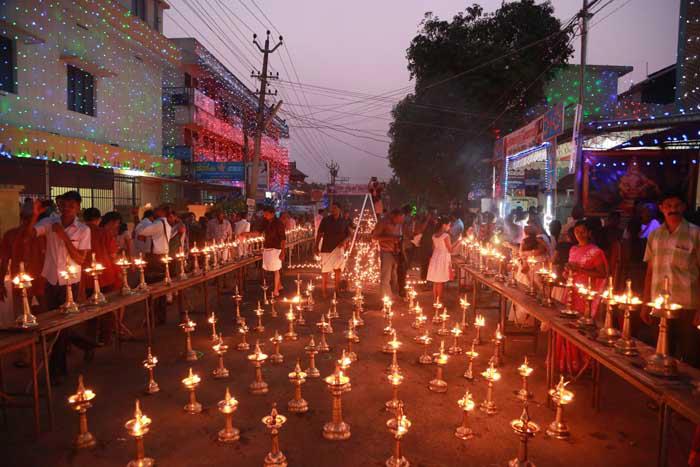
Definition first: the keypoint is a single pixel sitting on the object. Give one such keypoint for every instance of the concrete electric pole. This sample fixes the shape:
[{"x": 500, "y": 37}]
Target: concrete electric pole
[
  {"x": 262, "y": 120},
  {"x": 584, "y": 16}
]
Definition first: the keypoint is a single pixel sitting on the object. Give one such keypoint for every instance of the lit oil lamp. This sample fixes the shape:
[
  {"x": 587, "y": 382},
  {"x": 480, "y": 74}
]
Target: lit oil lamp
[
  {"x": 549, "y": 281},
  {"x": 311, "y": 351},
  {"x": 479, "y": 322},
  {"x": 412, "y": 294},
  {"x": 531, "y": 262},
  {"x": 137, "y": 428},
  {"x": 608, "y": 334},
  {"x": 81, "y": 402},
  {"x": 471, "y": 355},
  {"x": 525, "y": 429},
  {"x": 273, "y": 308},
  {"x": 276, "y": 357},
  {"x": 140, "y": 264},
  {"x": 345, "y": 362},
  {"x": 524, "y": 371},
  {"x": 300, "y": 320},
  {"x": 227, "y": 406},
  {"x": 273, "y": 423},
  {"x": 661, "y": 363},
  {"x": 443, "y": 331},
  {"x": 334, "y": 307},
  {"x": 588, "y": 294},
  {"x": 357, "y": 317},
  {"x": 455, "y": 348},
  {"x": 395, "y": 379},
  {"x": 149, "y": 364},
  {"x": 220, "y": 349},
  {"x": 353, "y": 323},
  {"x": 464, "y": 432},
  {"x": 290, "y": 335},
  {"x": 324, "y": 328},
  {"x": 437, "y": 318},
  {"x": 69, "y": 275},
  {"x": 491, "y": 375},
  {"x": 238, "y": 298},
  {"x": 297, "y": 378},
  {"x": 513, "y": 265},
  {"x": 191, "y": 382},
  {"x": 259, "y": 313},
  {"x": 124, "y": 264},
  {"x": 243, "y": 330},
  {"x": 257, "y": 358},
  {"x": 626, "y": 345},
  {"x": 561, "y": 397},
  {"x": 393, "y": 346},
  {"x": 188, "y": 326},
  {"x": 464, "y": 305},
  {"x": 425, "y": 340},
  {"x": 95, "y": 270},
  {"x": 350, "y": 336},
  {"x": 181, "y": 258},
  {"x": 420, "y": 318},
  {"x": 498, "y": 346},
  {"x": 206, "y": 253},
  {"x": 195, "y": 253},
  {"x": 337, "y": 429},
  {"x": 264, "y": 288},
  {"x": 298, "y": 282},
  {"x": 438, "y": 384},
  {"x": 388, "y": 328},
  {"x": 568, "y": 311},
  {"x": 398, "y": 427},
  {"x": 166, "y": 260},
  {"x": 212, "y": 320}
]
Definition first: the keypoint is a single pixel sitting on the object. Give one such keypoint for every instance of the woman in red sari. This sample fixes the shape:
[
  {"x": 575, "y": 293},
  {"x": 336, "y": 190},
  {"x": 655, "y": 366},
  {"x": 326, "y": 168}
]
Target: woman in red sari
[{"x": 586, "y": 261}]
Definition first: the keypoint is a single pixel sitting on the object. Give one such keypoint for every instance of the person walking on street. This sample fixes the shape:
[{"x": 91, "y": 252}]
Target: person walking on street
[
  {"x": 388, "y": 233},
  {"x": 673, "y": 252},
  {"x": 333, "y": 233},
  {"x": 273, "y": 246}
]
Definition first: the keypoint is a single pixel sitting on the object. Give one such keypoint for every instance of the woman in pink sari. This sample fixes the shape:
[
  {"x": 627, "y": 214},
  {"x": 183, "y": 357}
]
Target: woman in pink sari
[{"x": 586, "y": 261}]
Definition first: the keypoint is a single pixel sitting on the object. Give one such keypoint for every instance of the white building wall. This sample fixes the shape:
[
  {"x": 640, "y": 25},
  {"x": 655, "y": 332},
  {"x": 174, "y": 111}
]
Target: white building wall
[{"x": 128, "y": 105}]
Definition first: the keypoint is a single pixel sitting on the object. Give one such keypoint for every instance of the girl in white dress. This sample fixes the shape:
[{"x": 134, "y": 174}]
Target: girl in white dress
[{"x": 441, "y": 261}]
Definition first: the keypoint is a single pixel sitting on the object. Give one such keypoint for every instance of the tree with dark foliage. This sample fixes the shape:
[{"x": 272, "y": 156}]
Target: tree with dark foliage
[{"x": 475, "y": 76}]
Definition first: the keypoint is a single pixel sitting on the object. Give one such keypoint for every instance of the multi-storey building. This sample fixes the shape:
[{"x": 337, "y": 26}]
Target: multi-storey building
[
  {"x": 209, "y": 116},
  {"x": 81, "y": 98}
]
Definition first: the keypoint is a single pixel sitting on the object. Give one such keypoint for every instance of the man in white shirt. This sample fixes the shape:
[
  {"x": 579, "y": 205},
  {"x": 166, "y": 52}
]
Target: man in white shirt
[
  {"x": 67, "y": 244},
  {"x": 219, "y": 228},
  {"x": 143, "y": 244},
  {"x": 242, "y": 226},
  {"x": 159, "y": 233}
]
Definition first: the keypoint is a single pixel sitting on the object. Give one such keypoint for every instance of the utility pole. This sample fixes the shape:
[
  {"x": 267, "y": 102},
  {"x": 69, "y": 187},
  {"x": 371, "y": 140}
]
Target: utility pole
[
  {"x": 584, "y": 16},
  {"x": 333, "y": 168},
  {"x": 261, "y": 119}
]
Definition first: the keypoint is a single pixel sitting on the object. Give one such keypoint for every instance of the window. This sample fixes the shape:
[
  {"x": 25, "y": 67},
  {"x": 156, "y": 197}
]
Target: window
[
  {"x": 138, "y": 9},
  {"x": 7, "y": 65},
  {"x": 81, "y": 91},
  {"x": 157, "y": 16}
]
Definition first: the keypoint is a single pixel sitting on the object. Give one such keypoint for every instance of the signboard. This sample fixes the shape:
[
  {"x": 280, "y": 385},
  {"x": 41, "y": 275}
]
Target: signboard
[
  {"x": 553, "y": 122},
  {"x": 219, "y": 171},
  {"x": 349, "y": 189},
  {"x": 263, "y": 175},
  {"x": 523, "y": 138}
]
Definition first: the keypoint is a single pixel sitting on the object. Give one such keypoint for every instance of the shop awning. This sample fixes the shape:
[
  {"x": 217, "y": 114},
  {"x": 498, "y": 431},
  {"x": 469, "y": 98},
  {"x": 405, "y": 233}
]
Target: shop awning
[{"x": 677, "y": 137}]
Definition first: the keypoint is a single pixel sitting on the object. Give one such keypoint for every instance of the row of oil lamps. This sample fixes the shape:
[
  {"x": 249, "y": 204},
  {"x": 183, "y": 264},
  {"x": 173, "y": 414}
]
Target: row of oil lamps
[
  {"x": 490, "y": 261},
  {"x": 211, "y": 256}
]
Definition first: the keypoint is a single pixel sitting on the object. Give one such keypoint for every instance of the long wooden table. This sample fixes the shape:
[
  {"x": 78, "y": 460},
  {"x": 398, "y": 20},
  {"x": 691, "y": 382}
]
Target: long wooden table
[
  {"x": 53, "y": 322},
  {"x": 677, "y": 395}
]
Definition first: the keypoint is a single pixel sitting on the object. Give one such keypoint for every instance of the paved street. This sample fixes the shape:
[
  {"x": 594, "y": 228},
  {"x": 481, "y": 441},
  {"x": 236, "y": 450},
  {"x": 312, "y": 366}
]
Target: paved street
[{"x": 622, "y": 433}]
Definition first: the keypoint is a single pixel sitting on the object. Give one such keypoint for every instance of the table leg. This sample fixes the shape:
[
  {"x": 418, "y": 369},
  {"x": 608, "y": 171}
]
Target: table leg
[
  {"x": 35, "y": 392},
  {"x": 3, "y": 392},
  {"x": 149, "y": 329},
  {"x": 218, "y": 292},
  {"x": 47, "y": 376},
  {"x": 206, "y": 297},
  {"x": 664, "y": 425},
  {"x": 181, "y": 304},
  {"x": 596, "y": 385},
  {"x": 502, "y": 319},
  {"x": 475, "y": 287},
  {"x": 549, "y": 364}
]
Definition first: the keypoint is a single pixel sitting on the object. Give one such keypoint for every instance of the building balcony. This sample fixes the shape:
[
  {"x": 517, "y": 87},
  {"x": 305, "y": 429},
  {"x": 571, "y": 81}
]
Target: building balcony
[{"x": 193, "y": 109}]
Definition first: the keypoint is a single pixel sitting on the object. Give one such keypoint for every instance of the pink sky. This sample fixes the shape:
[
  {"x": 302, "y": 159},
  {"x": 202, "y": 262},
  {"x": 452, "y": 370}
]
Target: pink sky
[{"x": 360, "y": 46}]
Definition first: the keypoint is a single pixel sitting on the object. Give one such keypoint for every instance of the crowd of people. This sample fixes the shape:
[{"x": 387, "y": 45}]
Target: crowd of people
[{"x": 56, "y": 241}]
